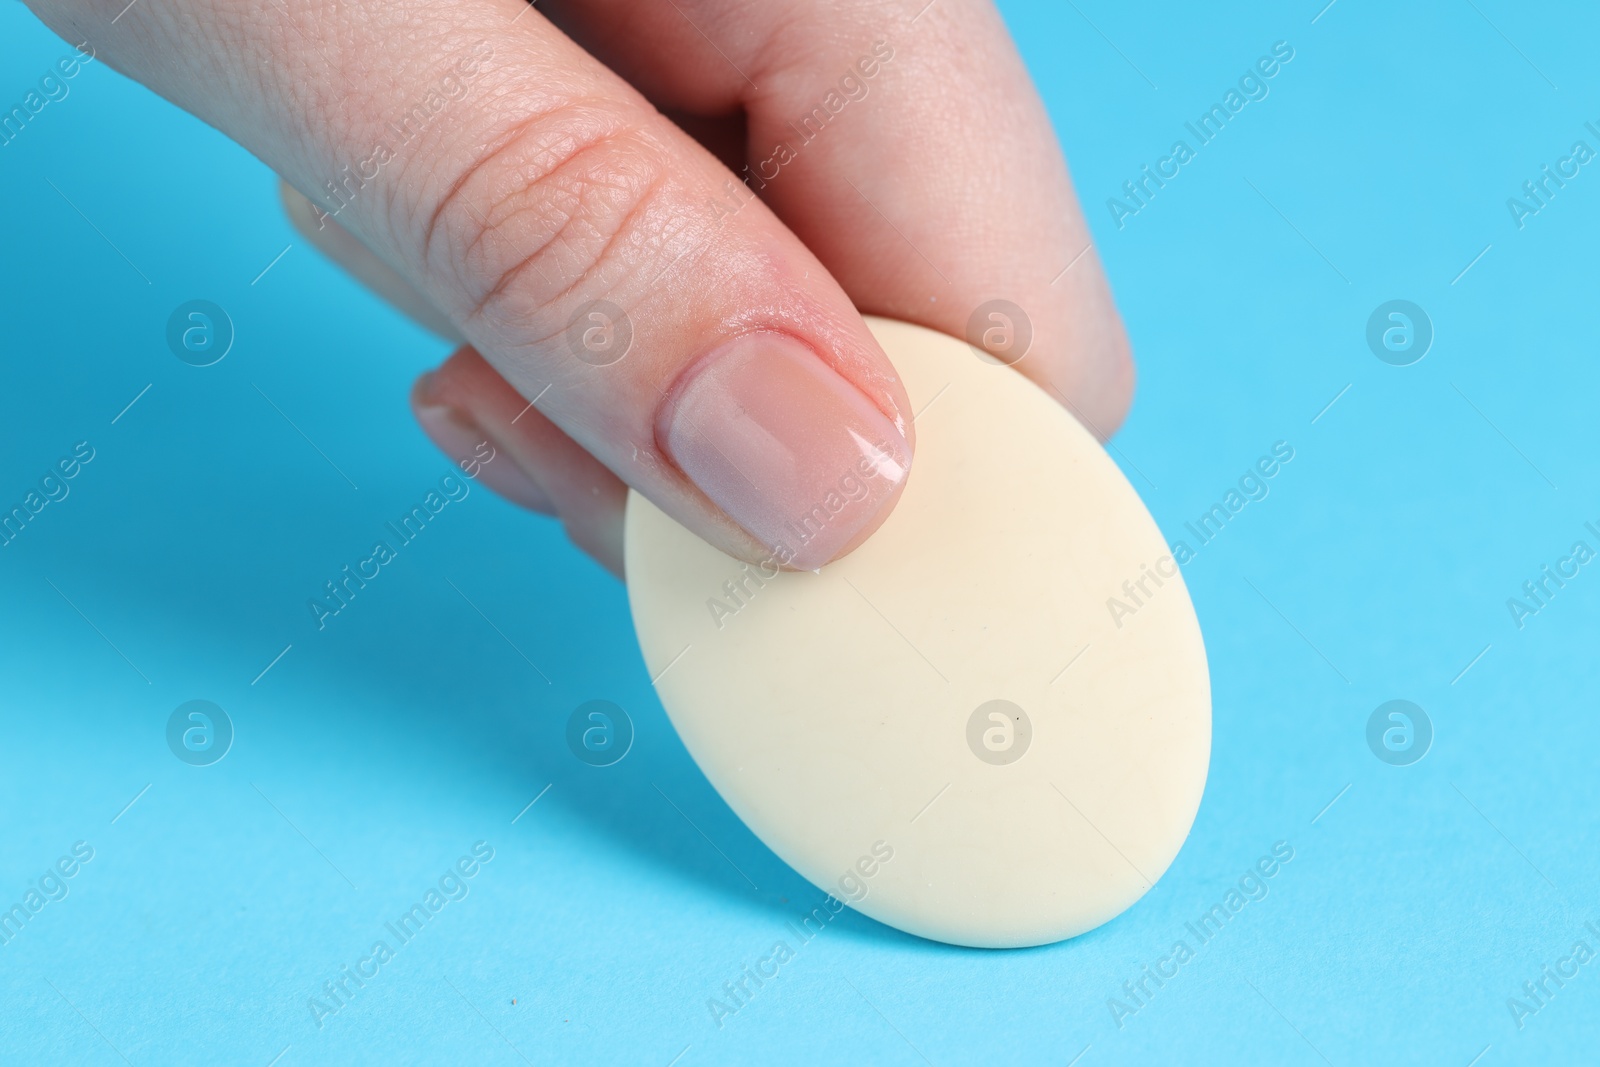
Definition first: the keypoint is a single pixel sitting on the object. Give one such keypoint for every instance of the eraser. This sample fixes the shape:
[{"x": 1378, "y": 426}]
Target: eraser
[{"x": 990, "y": 724}]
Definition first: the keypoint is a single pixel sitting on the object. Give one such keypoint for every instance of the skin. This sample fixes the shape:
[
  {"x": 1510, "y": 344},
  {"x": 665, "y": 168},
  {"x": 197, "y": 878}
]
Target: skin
[{"x": 581, "y": 160}]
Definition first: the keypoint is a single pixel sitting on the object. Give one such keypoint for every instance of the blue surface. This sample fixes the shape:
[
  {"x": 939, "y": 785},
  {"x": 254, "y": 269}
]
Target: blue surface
[{"x": 374, "y": 754}]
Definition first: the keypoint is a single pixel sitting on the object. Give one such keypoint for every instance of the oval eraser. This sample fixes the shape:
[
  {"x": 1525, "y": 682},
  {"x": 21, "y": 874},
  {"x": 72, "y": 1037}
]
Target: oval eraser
[{"x": 989, "y": 724}]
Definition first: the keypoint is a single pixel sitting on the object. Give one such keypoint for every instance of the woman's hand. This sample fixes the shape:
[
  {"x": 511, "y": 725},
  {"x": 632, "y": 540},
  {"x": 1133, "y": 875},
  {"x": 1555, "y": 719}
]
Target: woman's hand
[{"x": 656, "y": 220}]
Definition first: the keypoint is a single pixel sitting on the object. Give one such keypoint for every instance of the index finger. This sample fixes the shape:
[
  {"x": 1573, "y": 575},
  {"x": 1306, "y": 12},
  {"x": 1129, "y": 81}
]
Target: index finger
[{"x": 906, "y": 146}]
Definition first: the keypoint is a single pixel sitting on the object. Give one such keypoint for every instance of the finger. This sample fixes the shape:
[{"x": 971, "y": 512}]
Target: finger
[
  {"x": 466, "y": 402},
  {"x": 345, "y": 249},
  {"x": 906, "y": 145},
  {"x": 505, "y": 174},
  {"x": 453, "y": 403},
  {"x": 461, "y": 436}
]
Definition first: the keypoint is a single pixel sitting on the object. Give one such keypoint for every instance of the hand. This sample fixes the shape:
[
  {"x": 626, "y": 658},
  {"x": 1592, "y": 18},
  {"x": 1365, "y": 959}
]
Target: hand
[{"x": 503, "y": 172}]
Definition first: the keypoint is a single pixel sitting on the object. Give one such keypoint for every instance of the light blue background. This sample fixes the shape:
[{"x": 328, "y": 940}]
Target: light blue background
[{"x": 375, "y": 753}]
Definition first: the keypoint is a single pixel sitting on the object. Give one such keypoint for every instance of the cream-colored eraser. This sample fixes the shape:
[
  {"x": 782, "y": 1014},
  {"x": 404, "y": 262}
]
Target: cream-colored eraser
[{"x": 953, "y": 729}]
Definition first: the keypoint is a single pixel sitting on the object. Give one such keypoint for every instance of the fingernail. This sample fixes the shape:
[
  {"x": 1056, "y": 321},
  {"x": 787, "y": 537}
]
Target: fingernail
[
  {"x": 460, "y": 437},
  {"x": 792, "y": 452}
]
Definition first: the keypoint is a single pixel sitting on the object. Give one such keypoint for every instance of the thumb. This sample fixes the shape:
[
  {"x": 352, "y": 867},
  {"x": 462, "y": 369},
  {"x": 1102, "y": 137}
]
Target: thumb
[
  {"x": 652, "y": 308},
  {"x": 602, "y": 261}
]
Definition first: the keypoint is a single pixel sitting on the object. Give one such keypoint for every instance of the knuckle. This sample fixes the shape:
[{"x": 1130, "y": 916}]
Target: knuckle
[{"x": 563, "y": 205}]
